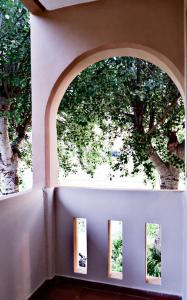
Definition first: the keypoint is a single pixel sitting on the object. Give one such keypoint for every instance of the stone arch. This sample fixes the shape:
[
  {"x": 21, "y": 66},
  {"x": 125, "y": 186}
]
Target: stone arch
[{"x": 75, "y": 67}]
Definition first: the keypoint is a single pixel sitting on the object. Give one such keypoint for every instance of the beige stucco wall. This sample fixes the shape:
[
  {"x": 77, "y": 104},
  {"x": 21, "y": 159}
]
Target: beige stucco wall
[
  {"x": 63, "y": 43},
  {"x": 23, "y": 247},
  {"x": 67, "y": 40},
  {"x": 134, "y": 208}
]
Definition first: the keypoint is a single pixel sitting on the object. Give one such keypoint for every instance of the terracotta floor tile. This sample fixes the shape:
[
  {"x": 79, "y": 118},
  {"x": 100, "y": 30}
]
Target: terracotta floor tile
[
  {"x": 128, "y": 297},
  {"x": 65, "y": 293},
  {"x": 59, "y": 290},
  {"x": 89, "y": 294},
  {"x": 159, "y": 297}
]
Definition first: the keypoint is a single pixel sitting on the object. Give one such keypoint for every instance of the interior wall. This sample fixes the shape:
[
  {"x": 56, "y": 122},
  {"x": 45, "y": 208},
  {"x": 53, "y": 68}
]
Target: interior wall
[
  {"x": 185, "y": 249},
  {"x": 135, "y": 208},
  {"x": 22, "y": 246},
  {"x": 185, "y": 208},
  {"x": 50, "y": 216}
]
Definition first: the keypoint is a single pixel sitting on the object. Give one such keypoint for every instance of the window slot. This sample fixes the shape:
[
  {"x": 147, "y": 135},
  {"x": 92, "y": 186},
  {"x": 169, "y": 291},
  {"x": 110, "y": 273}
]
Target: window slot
[
  {"x": 153, "y": 254},
  {"x": 80, "y": 245},
  {"x": 115, "y": 249}
]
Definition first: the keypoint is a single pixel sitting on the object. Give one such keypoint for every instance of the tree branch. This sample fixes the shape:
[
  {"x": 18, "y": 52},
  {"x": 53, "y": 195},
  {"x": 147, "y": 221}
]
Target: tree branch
[
  {"x": 174, "y": 147},
  {"x": 162, "y": 119},
  {"x": 157, "y": 161},
  {"x": 21, "y": 130},
  {"x": 151, "y": 119}
]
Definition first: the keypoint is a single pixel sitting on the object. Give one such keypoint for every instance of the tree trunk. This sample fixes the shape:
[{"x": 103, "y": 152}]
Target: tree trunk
[
  {"x": 169, "y": 179},
  {"x": 169, "y": 175},
  {"x": 8, "y": 161}
]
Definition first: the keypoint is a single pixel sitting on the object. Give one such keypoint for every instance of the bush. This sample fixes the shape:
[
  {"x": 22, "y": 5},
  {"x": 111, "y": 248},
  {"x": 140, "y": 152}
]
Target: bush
[
  {"x": 154, "y": 262},
  {"x": 117, "y": 255}
]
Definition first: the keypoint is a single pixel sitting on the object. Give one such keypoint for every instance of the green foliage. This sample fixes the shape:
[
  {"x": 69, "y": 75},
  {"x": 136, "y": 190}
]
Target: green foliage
[
  {"x": 154, "y": 262},
  {"x": 153, "y": 250},
  {"x": 117, "y": 255},
  {"x": 152, "y": 230},
  {"x": 119, "y": 97},
  {"x": 15, "y": 74}
]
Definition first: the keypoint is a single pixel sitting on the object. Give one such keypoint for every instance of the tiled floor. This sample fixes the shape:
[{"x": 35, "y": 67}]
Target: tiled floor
[
  {"x": 67, "y": 290},
  {"x": 83, "y": 293}
]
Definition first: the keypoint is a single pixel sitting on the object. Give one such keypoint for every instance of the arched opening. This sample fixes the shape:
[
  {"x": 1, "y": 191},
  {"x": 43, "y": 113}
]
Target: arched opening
[
  {"x": 70, "y": 73},
  {"x": 121, "y": 122},
  {"x": 137, "y": 206}
]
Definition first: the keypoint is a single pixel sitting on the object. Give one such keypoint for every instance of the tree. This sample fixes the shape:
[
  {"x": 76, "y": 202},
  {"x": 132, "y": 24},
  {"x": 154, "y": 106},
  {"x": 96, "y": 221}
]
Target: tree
[
  {"x": 128, "y": 98},
  {"x": 153, "y": 242},
  {"x": 15, "y": 91}
]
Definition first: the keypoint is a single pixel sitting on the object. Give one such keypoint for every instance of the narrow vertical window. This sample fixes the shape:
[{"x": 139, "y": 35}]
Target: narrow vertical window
[
  {"x": 80, "y": 245},
  {"x": 153, "y": 253},
  {"x": 115, "y": 249}
]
